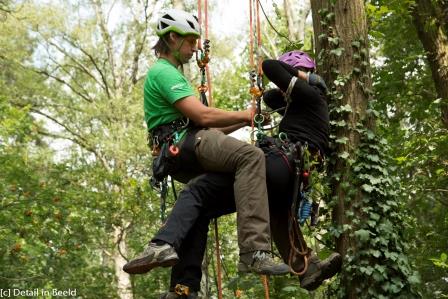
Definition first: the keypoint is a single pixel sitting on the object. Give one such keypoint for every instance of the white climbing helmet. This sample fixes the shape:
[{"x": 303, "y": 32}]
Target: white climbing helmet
[{"x": 178, "y": 21}]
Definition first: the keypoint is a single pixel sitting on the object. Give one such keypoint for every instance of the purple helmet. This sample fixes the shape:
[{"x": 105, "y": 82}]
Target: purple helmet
[{"x": 298, "y": 59}]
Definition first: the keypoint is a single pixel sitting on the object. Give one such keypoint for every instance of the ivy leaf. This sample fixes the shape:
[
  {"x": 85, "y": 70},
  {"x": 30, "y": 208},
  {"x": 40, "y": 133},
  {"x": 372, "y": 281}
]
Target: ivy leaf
[
  {"x": 363, "y": 235},
  {"x": 367, "y": 188},
  {"x": 290, "y": 289},
  {"x": 414, "y": 279},
  {"x": 375, "y": 181},
  {"x": 376, "y": 253},
  {"x": 334, "y": 40},
  {"x": 342, "y": 140},
  {"x": 337, "y": 51},
  {"x": 356, "y": 44},
  {"x": 322, "y": 36},
  {"x": 373, "y": 158},
  {"x": 344, "y": 155}
]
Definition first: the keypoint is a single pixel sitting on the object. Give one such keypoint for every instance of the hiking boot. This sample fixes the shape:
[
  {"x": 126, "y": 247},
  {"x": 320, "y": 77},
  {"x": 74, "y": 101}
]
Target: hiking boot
[
  {"x": 173, "y": 295},
  {"x": 319, "y": 270},
  {"x": 261, "y": 262},
  {"x": 153, "y": 256}
]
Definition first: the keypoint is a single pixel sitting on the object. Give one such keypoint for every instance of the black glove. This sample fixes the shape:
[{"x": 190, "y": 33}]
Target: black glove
[{"x": 317, "y": 80}]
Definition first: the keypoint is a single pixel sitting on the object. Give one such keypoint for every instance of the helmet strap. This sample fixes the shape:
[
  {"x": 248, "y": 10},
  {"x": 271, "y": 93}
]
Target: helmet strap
[{"x": 176, "y": 52}]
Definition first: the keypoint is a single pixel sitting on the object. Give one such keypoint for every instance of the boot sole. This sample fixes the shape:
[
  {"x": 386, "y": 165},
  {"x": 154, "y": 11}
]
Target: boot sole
[
  {"x": 144, "y": 265},
  {"x": 330, "y": 271},
  {"x": 242, "y": 268}
]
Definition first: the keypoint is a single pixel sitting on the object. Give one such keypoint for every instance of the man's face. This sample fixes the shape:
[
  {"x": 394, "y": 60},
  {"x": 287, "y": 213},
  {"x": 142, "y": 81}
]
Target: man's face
[{"x": 188, "y": 47}]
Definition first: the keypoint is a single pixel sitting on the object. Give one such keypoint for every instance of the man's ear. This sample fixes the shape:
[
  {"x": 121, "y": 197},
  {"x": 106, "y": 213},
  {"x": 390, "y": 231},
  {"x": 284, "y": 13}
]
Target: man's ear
[{"x": 173, "y": 37}]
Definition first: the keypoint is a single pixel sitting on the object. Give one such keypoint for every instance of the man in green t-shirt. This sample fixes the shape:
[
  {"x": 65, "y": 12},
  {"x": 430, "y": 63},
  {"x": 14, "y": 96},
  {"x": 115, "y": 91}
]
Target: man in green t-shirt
[{"x": 169, "y": 98}]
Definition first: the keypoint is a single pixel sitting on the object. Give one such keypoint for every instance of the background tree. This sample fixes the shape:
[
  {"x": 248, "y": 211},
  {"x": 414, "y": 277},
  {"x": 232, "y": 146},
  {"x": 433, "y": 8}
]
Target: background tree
[
  {"x": 296, "y": 12},
  {"x": 410, "y": 107},
  {"x": 431, "y": 21},
  {"x": 366, "y": 212},
  {"x": 75, "y": 202}
]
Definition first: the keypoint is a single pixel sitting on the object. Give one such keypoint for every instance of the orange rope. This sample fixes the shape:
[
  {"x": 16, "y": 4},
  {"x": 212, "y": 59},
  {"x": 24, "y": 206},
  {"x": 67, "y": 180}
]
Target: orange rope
[
  {"x": 207, "y": 68},
  {"x": 200, "y": 23},
  {"x": 252, "y": 66},
  {"x": 218, "y": 260},
  {"x": 260, "y": 71},
  {"x": 265, "y": 281},
  {"x": 251, "y": 34}
]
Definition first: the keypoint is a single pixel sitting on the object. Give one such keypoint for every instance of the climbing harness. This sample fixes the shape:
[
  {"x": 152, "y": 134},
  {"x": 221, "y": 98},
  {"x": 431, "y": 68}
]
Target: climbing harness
[{"x": 163, "y": 142}]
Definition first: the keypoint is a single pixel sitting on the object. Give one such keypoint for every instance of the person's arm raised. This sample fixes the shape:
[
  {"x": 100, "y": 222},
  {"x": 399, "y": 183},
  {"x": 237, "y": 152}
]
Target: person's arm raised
[{"x": 205, "y": 116}]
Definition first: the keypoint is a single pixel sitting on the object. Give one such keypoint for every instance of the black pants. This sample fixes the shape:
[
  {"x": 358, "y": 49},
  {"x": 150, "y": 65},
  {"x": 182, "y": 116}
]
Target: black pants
[{"x": 211, "y": 195}]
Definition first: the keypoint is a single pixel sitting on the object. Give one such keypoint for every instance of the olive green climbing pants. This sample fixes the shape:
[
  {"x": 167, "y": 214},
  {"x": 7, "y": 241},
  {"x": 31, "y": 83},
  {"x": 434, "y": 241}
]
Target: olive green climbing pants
[{"x": 217, "y": 152}]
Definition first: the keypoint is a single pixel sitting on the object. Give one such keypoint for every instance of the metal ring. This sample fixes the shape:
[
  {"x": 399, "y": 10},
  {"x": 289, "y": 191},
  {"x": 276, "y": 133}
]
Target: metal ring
[
  {"x": 259, "y": 118},
  {"x": 282, "y": 136}
]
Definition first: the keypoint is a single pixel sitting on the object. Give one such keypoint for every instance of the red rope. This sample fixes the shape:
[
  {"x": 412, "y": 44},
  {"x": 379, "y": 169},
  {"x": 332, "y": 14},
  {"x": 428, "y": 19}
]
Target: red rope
[
  {"x": 207, "y": 68},
  {"x": 251, "y": 34},
  {"x": 200, "y": 22},
  {"x": 260, "y": 71}
]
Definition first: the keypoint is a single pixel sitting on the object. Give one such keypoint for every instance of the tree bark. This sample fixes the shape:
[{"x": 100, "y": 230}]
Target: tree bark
[
  {"x": 349, "y": 26},
  {"x": 340, "y": 31},
  {"x": 124, "y": 289},
  {"x": 430, "y": 20}
]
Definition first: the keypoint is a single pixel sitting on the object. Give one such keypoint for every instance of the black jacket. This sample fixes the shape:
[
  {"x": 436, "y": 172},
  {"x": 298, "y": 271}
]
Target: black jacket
[{"x": 306, "y": 118}]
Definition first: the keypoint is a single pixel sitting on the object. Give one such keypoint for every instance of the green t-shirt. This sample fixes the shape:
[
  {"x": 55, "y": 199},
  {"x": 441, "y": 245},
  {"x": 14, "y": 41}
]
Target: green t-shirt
[{"x": 164, "y": 85}]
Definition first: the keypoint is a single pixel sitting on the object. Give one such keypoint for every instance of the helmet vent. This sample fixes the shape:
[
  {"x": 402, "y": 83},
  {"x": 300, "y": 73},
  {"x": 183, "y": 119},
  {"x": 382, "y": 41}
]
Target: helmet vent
[
  {"x": 167, "y": 16},
  {"x": 196, "y": 18},
  {"x": 163, "y": 25},
  {"x": 191, "y": 25}
]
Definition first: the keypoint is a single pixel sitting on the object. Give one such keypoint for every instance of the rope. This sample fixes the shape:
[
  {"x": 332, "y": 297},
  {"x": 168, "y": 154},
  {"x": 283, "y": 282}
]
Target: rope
[
  {"x": 218, "y": 260},
  {"x": 206, "y": 77},
  {"x": 207, "y": 67},
  {"x": 293, "y": 227},
  {"x": 260, "y": 70},
  {"x": 294, "y": 233},
  {"x": 202, "y": 57},
  {"x": 251, "y": 63},
  {"x": 265, "y": 281},
  {"x": 256, "y": 72}
]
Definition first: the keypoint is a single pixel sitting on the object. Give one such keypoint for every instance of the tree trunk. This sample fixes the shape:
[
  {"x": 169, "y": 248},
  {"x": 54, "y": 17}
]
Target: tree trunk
[
  {"x": 367, "y": 219},
  {"x": 204, "y": 292},
  {"x": 340, "y": 32},
  {"x": 343, "y": 25},
  {"x": 430, "y": 20},
  {"x": 124, "y": 286},
  {"x": 296, "y": 12}
]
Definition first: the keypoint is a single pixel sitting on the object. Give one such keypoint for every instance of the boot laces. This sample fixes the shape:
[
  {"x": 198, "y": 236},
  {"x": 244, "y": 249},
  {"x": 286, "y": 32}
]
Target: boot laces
[{"x": 261, "y": 255}]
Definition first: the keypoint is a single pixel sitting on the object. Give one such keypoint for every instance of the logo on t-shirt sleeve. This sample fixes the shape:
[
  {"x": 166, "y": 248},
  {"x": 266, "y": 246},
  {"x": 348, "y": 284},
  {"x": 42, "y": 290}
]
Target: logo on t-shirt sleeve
[{"x": 178, "y": 86}]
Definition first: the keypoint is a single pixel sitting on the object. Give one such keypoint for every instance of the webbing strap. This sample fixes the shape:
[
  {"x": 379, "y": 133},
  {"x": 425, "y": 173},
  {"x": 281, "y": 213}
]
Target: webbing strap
[{"x": 289, "y": 90}]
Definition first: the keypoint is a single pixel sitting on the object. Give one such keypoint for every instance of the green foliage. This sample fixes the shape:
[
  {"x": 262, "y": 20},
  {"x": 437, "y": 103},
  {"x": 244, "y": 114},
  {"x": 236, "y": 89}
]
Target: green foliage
[
  {"x": 407, "y": 102},
  {"x": 376, "y": 263},
  {"x": 75, "y": 164}
]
